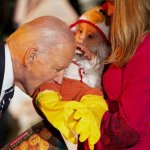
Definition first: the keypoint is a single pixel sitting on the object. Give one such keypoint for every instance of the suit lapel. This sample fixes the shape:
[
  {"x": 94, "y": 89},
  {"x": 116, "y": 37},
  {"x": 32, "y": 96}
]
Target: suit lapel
[{"x": 2, "y": 65}]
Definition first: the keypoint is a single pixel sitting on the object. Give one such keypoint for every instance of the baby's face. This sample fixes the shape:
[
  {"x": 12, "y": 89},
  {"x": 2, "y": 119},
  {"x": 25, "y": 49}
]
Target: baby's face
[{"x": 88, "y": 36}]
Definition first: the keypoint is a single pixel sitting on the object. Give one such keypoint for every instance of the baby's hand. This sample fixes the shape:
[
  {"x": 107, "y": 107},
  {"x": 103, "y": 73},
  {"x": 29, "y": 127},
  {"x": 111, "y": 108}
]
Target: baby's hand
[{"x": 86, "y": 52}]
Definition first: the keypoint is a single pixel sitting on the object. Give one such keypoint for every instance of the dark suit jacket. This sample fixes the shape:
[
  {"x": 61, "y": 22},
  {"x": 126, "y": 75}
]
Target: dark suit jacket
[{"x": 2, "y": 64}]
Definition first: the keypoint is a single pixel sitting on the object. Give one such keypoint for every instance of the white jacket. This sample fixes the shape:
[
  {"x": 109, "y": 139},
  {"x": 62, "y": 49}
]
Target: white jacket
[{"x": 86, "y": 71}]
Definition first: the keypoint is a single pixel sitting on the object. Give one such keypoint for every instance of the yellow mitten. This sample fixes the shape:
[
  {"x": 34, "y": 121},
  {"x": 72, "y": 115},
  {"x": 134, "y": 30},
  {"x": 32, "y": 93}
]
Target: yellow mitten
[
  {"x": 48, "y": 96},
  {"x": 89, "y": 119},
  {"x": 58, "y": 113}
]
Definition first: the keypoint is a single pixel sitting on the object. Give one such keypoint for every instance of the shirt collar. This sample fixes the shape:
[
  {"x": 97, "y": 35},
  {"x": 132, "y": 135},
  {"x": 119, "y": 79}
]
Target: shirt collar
[{"x": 8, "y": 74}]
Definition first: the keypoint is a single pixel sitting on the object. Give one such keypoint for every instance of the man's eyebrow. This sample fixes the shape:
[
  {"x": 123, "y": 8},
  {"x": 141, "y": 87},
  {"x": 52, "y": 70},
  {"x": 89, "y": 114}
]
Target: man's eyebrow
[{"x": 61, "y": 67}]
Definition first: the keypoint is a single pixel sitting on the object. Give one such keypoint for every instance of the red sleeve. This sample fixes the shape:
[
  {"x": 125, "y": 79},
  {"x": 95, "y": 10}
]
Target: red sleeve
[{"x": 130, "y": 125}]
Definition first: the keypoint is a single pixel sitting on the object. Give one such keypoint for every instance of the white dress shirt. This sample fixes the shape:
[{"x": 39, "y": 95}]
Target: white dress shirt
[{"x": 8, "y": 73}]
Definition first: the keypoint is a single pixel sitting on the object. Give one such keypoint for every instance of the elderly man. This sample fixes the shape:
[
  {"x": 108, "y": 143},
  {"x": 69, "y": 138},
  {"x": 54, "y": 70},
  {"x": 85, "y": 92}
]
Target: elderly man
[{"x": 37, "y": 52}]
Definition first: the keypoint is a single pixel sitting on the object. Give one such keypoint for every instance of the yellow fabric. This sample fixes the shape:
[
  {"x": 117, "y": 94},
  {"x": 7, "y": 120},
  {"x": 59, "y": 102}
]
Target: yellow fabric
[
  {"x": 58, "y": 113},
  {"x": 90, "y": 117},
  {"x": 47, "y": 95},
  {"x": 93, "y": 15},
  {"x": 83, "y": 118}
]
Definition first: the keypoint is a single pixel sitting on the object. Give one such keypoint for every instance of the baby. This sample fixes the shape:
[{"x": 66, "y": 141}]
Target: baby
[
  {"x": 68, "y": 106},
  {"x": 91, "y": 34}
]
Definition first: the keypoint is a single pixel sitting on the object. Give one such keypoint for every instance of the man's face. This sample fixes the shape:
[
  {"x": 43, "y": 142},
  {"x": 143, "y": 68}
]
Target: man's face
[
  {"x": 88, "y": 36},
  {"x": 51, "y": 68}
]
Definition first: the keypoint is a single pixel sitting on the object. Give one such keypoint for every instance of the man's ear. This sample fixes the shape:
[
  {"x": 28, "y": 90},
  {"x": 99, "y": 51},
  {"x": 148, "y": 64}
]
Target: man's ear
[{"x": 30, "y": 56}]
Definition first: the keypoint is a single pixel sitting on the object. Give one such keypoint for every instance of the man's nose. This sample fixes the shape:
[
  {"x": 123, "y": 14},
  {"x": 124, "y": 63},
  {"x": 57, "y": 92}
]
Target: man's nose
[{"x": 59, "y": 77}]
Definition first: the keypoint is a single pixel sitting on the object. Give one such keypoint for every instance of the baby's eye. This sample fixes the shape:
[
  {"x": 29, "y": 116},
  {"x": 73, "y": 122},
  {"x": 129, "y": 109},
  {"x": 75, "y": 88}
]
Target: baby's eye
[
  {"x": 80, "y": 31},
  {"x": 90, "y": 36}
]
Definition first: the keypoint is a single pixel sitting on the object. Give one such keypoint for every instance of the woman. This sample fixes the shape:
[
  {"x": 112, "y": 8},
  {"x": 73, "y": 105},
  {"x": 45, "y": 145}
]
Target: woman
[{"x": 127, "y": 80}]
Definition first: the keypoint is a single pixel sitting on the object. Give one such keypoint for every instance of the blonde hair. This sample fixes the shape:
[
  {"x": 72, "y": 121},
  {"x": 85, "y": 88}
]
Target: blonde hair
[{"x": 129, "y": 24}]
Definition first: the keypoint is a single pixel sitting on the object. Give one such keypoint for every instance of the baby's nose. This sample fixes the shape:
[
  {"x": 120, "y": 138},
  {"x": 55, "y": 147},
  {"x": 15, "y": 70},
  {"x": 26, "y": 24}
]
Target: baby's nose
[{"x": 82, "y": 39}]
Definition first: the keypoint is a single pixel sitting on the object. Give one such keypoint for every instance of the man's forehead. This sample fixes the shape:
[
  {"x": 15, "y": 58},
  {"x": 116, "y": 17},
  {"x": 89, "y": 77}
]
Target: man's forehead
[
  {"x": 62, "y": 59},
  {"x": 62, "y": 54}
]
